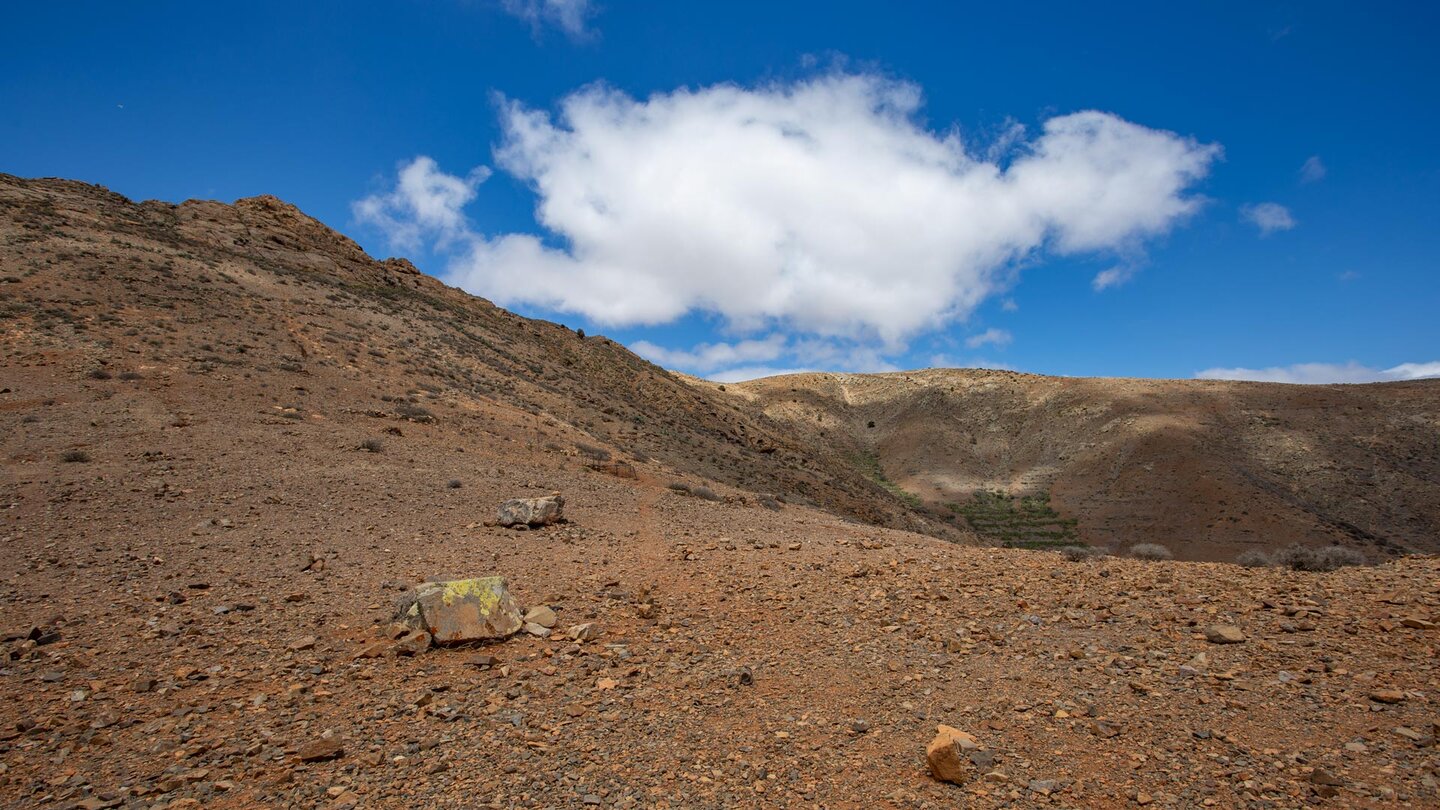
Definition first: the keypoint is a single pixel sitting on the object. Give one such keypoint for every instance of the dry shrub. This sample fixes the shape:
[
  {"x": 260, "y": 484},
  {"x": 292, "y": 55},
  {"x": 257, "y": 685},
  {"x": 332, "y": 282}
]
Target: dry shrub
[{"x": 1151, "y": 551}]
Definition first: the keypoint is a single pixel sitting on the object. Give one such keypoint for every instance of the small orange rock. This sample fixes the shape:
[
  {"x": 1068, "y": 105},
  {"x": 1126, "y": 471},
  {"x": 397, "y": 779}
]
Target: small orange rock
[{"x": 948, "y": 755}]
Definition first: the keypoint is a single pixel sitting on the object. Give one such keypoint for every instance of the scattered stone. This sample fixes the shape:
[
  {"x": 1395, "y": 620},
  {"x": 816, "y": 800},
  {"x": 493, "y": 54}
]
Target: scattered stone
[
  {"x": 532, "y": 511},
  {"x": 539, "y": 631},
  {"x": 304, "y": 643},
  {"x": 948, "y": 755},
  {"x": 412, "y": 643},
  {"x": 583, "y": 632},
  {"x": 542, "y": 615},
  {"x": 1391, "y": 696},
  {"x": 1224, "y": 634},
  {"x": 463, "y": 610},
  {"x": 320, "y": 750}
]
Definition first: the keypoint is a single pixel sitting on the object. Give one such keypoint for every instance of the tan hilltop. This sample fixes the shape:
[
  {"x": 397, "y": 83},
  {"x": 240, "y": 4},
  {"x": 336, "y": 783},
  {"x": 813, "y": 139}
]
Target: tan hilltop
[
  {"x": 232, "y": 440},
  {"x": 1207, "y": 468}
]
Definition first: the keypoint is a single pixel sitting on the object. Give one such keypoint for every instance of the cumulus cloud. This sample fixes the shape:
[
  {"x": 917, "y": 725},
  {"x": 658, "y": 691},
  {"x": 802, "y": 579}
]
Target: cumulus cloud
[
  {"x": 1313, "y": 171},
  {"x": 992, "y": 336},
  {"x": 822, "y": 207},
  {"x": 1323, "y": 373},
  {"x": 1269, "y": 217},
  {"x": 570, "y": 16},
  {"x": 425, "y": 202},
  {"x": 710, "y": 356}
]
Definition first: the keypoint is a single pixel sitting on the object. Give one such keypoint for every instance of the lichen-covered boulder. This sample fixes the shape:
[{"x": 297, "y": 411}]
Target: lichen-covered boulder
[
  {"x": 463, "y": 610},
  {"x": 532, "y": 511}
]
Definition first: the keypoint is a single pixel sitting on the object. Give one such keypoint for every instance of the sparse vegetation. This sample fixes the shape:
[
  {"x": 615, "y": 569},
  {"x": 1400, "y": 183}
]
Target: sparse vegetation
[
  {"x": 372, "y": 445},
  {"x": 1079, "y": 553},
  {"x": 869, "y": 464},
  {"x": 75, "y": 456},
  {"x": 590, "y": 451},
  {"x": 1151, "y": 551},
  {"x": 453, "y": 483},
  {"x": 1254, "y": 558},
  {"x": 1327, "y": 558},
  {"x": 1024, "y": 522},
  {"x": 705, "y": 493},
  {"x": 413, "y": 412},
  {"x": 98, "y": 374}
]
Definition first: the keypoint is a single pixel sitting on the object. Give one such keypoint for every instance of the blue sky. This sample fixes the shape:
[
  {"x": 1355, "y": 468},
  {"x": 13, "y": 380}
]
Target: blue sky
[{"x": 1233, "y": 189}]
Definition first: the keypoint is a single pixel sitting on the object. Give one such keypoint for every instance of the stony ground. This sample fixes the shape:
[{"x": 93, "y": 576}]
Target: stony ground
[{"x": 200, "y": 543}]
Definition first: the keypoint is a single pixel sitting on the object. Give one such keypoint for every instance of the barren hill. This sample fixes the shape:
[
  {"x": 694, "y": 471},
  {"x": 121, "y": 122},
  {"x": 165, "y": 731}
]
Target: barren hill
[
  {"x": 1207, "y": 468},
  {"x": 205, "y": 292},
  {"x": 230, "y": 440}
]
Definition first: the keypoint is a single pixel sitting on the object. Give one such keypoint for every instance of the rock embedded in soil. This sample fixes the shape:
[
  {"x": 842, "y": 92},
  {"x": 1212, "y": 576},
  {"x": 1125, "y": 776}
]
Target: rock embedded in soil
[
  {"x": 321, "y": 750},
  {"x": 541, "y": 615},
  {"x": 1224, "y": 634},
  {"x": 532, "y": 512}
]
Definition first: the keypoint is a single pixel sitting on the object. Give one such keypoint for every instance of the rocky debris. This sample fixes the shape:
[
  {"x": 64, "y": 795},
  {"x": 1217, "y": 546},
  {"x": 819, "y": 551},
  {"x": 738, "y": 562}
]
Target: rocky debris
[
  {"x": 462, "y": 610},
  {"x": 1224, "y": 634},
  {"x": 542, "y": 615},
  {"x": 532, "y": 512},
  {"x": 948, "y": 755},
  {"x": 1391, "y": 696}
]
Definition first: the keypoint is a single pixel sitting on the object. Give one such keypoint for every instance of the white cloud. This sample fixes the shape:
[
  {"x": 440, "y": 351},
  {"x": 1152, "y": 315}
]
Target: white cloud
[
  {"x": 754, "y": 373},
  {"x": 1322, "y": 373},
  {"x": 1313, "y": 171},
  {"x": 946, "y": 361},
  {"x": 1113, "y": 277},
  {"x": 569, "y": 16},
  {"x": 710, "y": 356},
  {"x": 996, "y": 337},
  {"x": 822, "y": 207},
  {"x": 1269, "y": 217},
  {"x": 425, "y": 202},
  {"x": 1009, "y": 305}
]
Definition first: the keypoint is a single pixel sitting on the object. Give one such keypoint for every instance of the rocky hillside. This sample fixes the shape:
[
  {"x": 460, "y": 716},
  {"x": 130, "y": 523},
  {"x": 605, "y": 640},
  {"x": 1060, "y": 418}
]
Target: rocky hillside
[
  {"x": 1206, "y": 468},
  {"x": 231, "y": 442},
  {"x": 202, "y": 294}
]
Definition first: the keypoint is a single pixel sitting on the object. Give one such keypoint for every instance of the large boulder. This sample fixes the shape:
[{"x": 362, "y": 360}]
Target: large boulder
[
  {"x": 463, "y": 610},
  {"x": 532, "y": 511}
]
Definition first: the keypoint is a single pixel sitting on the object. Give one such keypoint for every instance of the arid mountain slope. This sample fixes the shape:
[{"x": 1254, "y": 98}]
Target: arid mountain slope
[
  {"x": 1206, "y": 468},
  {"x": 204, "y": 292}
]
